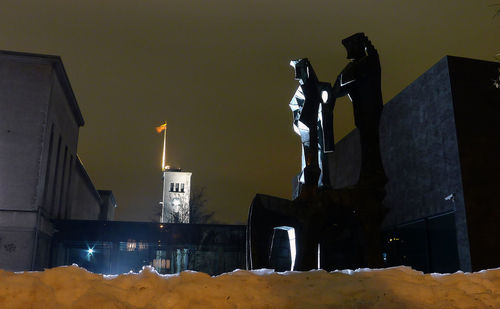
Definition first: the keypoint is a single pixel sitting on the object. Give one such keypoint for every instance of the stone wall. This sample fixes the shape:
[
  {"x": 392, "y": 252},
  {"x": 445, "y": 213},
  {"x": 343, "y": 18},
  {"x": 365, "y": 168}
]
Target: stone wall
[
  {"x": 40, "y": 178},
  {"x": 440, "y": 138}
]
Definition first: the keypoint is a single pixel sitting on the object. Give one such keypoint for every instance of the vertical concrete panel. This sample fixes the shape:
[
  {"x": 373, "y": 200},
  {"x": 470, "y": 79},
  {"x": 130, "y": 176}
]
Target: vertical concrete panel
[
  {"x": 61, "y": 114},
  {"x": 419, "y": 148},
  {"x": 85, "y": 200},
  {"x": 66, "y": 129},
  {"x": 345, "y": 164},
  {"x": 24, "y": 95}
]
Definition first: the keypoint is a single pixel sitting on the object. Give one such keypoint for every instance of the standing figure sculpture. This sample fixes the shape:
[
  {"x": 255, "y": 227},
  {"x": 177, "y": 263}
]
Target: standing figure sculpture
[
  {"x": 312, "y": 108},
  {"x": 361, "y": 81},
  {"x": 333, "y": 227}
]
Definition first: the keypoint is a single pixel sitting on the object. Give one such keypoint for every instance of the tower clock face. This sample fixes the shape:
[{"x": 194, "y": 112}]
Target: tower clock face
[{"x": 176, "y": 203}]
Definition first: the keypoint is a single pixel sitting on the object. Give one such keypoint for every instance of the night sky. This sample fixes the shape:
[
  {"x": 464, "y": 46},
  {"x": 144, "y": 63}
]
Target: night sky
[{"x": 218, "y": 72}]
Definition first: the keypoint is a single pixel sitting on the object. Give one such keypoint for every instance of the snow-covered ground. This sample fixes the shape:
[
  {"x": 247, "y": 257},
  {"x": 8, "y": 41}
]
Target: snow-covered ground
[{"x": 399, "y": 287}]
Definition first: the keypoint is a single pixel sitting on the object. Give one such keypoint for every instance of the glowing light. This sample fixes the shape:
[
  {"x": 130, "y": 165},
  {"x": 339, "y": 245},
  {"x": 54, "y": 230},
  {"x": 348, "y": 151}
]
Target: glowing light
[
  {"x": 293, "y": 250},
  {"x": 324, "y": 96},
  {"x": 319, "y": 256},
  {"x": 90, "y": 253},
  {"x": 142, "y": 245},
  {"x": 131, "y": 245}
]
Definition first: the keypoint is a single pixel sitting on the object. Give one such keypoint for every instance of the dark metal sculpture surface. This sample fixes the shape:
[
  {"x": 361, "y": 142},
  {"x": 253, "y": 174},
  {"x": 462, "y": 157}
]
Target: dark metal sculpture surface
[
  {"x": 361, "y": 81},
  {"x": 339, "y": 228}
]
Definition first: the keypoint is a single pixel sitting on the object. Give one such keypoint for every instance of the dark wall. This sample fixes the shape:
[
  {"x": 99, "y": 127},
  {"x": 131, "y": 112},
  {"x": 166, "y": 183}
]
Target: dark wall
[
  {"x": 477, "y": 115},
  {"x": 419, "y": 150},
  {"x": 440, "y": 136},
  {"x": 345, "y": 162}
]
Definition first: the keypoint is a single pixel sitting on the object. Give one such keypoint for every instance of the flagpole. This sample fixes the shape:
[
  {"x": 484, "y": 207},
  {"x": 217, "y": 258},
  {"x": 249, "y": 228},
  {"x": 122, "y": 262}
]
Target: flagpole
[
  {"x": 163, "y": 163},
  {"x": 164, "y": 147}
]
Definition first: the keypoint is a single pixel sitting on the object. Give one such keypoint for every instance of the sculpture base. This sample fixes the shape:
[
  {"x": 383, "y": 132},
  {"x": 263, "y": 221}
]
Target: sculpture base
[{"x": 334, "y": 229}]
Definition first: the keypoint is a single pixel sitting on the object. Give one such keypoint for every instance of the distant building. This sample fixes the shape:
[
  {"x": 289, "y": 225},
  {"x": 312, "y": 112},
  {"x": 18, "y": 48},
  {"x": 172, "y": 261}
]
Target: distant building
[
  {"x": 50, "y": 212},
  {"x": 176, "y": 193},
  {"x": 118, "y": 247},
  {"x": 108, "y": 205},
  {"x": 440, "y": 144},
  {"x": 41, "y": 176}
]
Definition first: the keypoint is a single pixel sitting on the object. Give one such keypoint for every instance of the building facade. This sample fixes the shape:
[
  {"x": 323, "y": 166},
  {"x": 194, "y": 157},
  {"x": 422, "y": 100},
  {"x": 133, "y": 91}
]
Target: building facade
[
  {"x": 119, "y": 247},
  {"x": 440, "y": 144},
  {"x": 176, "y": 194},
  {"x": 41, "y": 176}
]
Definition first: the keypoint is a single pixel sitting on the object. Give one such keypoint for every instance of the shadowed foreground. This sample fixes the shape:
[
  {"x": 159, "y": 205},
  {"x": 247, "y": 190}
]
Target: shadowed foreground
[{"x": 399, "y": 287}]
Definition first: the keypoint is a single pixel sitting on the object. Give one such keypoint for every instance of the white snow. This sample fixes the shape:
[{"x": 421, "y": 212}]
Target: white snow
[{"x": 398, "y": 287}]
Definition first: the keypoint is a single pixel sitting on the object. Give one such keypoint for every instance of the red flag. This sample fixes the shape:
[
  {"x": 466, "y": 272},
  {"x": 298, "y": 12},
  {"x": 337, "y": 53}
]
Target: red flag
[{"x": 161, "y": 128}]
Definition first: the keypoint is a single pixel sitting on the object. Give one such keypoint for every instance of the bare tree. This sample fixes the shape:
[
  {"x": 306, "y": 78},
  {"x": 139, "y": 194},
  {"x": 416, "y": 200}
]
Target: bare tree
[
  {"x": 497, "y": 9},
  {"x": 198, "y": 212},
  {"x": 197, "y": 209},
  {"x": 156, "y": 213}
]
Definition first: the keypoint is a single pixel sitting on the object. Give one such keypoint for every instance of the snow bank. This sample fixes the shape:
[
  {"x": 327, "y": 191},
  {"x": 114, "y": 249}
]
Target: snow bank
[{"x": 399, "y": 287}]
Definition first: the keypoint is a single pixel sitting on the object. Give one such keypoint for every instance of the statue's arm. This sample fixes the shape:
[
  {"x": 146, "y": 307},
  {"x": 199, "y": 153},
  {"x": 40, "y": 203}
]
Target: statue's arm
[{"x": 340, "y": 90}]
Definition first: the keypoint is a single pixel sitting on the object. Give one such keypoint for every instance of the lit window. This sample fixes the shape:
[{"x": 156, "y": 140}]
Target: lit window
[{"x": 131, "y": 245}]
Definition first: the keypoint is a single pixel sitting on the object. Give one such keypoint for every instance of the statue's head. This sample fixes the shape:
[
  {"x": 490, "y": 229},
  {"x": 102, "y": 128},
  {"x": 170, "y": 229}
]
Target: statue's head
[
  {"x": 355, "y": 46},
  {"x": 301, "y": 67}
]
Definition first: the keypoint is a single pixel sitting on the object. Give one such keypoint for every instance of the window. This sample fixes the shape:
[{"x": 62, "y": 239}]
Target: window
[
  {"x": 182, "y": 187},
  {"x": 176, "y": 187},
  {"x": 171, "y": 187}
]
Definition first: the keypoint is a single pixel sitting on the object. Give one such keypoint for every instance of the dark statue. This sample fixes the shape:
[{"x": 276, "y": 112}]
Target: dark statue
[
  {"x": 335, "y": 228},
  {"x": 361, "y": 81}
]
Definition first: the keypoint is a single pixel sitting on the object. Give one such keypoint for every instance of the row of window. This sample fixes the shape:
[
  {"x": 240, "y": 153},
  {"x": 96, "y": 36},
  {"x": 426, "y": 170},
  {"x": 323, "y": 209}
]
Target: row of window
[{"x": 176, "y": 187}]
